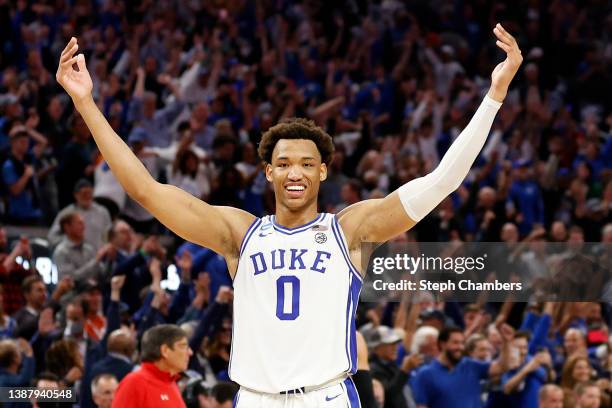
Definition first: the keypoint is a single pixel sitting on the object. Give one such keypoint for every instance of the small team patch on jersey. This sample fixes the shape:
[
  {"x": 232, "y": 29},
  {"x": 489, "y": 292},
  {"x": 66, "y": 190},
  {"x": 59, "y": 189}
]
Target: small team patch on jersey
[{"x": 320, "y": 238}]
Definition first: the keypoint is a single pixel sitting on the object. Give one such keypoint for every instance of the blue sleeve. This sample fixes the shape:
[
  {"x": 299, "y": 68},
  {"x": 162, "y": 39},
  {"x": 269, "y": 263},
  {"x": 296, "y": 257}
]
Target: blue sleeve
[
  {"x": 24, "y": 378},
  {"x": 152, "y": 318},
  {"x": 146, "y": 305},
  {"x": 540, "y": 334},
  {"x": 420, "y": 389},
  {"x": 9, "y": 175},
  {"x": 479, "y": 367},
  {"x": 168, "y": 114},
  {"x": 180, "y": 301},
  {"x": 529, "y": 322},
  {"x": 210, "y": 320},
  {"x": 134, "y": 110},
  {"x": 129, "y": 264},
  {"x": 540, "y": 374},
  {"x": 113, "y": 322},
  {"x": 508, "y": 375}
]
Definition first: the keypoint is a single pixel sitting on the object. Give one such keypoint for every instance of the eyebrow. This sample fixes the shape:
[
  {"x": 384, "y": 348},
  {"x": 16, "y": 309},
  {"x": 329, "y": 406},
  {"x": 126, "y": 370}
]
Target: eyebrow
[{"x": 302, "y": 158}]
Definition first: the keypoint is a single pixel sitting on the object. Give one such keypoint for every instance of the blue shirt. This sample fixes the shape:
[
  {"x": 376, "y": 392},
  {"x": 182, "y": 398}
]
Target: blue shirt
[
  {"x": 21, "y": 206},
  {"x": 435, "y": 386},
  {"x": 526, "y": 394},
  {"x": 528, "y": 197}
]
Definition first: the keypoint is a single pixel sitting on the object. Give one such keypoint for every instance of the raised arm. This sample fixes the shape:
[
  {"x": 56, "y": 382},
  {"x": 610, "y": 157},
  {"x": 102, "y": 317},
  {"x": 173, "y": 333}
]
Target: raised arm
[
  {"x": 218, "y": 228},
  {"x": 382, "y": 219}
]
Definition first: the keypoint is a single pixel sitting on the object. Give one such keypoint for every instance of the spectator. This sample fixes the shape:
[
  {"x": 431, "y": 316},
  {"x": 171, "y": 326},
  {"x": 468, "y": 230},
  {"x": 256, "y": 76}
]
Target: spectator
[
  {"x": 96, "y": 217},
  {"x": 132, "y": 212},
  {"x": 16, "y": 363},
  {"x": 453, "y": 380},
  {"x": 103, "y": 387},
  {"x": 73, "y": 256},
  {"x": 478, "y": 347},
  {"x": 107, "y": 190},
  {"x": 588, "y": 395},
  {"x": 35, "y": 294},
  {"x": 120, "y": 347},
  {"x": 384, "y": 343},
  {"x": 223, "y": 394},
  {"x": 219, "y": 349},
  {"x": 7, "y": 323},
  {"x": 45, "y": 381},
  {"x": 65, "y": 360},
  {"x": 165, "y": 353},
  {"x": 527, "y": 198},
  {"x": 76, "y": 161},
  {"x": 189, "y": 174},
  {"x": 95, "y": 322},
  {"x": 522, "y": 384},
  {"x": 551, "y": 396},
  {"x": 576, "y": 370},
  {"x": 12, "y": 274},
  {"x": 425, "y": 342},
  {"x": 143, "y": 110},
  {"x": 19, "y": 177}
]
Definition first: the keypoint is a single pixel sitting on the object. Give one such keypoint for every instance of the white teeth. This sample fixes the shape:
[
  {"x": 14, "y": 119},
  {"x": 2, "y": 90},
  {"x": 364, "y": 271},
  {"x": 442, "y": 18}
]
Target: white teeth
[{"x": 295, "y": 188}]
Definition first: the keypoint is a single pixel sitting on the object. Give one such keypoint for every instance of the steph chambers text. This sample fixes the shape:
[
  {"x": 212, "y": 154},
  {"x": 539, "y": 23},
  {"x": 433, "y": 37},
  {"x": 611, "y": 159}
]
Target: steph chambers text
[{"x": 438, "y": 286}]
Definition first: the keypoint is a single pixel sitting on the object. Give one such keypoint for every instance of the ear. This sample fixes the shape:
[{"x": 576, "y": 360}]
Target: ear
[
  {"x": 323, "y": 172},
  {"x": 268, "y": 170},
  {"x": 163, "y": 351}
]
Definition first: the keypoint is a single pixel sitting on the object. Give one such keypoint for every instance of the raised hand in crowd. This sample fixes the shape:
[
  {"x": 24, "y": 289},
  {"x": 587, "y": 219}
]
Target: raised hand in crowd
[{"x": 117, "y": 283}]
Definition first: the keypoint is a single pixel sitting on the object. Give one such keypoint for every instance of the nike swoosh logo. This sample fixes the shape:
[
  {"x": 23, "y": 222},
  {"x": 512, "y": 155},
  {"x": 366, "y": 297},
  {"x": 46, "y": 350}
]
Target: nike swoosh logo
[{"x": 329, "y": 399}]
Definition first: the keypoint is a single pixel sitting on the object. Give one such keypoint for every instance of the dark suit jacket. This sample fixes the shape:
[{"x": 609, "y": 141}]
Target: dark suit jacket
[{"x": 108, "y": 365}]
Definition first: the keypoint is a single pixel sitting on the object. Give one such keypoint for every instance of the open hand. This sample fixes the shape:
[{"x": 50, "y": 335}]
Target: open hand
[
  {"x": 76, "y": 82},
  {"x": 504, "y": 71}
]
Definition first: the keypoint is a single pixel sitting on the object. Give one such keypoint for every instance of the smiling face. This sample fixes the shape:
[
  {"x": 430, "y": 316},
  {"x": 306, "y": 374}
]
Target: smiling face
[{"x": 296, "y": 171}]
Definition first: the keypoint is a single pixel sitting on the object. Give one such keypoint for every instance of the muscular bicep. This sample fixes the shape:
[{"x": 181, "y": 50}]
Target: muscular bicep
[
  {"x": 376, "y": 220},
  {"x": 218, "y": 228}
]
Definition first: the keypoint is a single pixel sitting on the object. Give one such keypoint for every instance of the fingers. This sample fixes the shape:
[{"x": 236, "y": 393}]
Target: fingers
[
  {"x": 80, "y": 60},
  {"x": 503, "y": 46},
  {"x": 505, "y": 33},
  {"x": 505, "y": 37},
  {"x": 508, "y": 43},
  {"x": 69, "y": 52},
  {"x": 68, "y": 63},
  {"x": 69, "y": 45}
]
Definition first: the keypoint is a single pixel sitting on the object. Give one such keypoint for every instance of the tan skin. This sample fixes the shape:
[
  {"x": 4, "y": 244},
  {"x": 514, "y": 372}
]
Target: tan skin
[{"x": 293, "y": 161}]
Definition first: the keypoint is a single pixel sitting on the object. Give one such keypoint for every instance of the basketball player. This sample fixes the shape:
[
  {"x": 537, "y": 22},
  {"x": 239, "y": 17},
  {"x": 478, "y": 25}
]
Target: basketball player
[{"x": 296, "y": 273}]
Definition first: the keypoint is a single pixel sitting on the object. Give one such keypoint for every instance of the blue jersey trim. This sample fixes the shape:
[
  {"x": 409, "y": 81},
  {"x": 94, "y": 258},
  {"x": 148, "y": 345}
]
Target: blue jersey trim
[
  {"x": 340, "y": 240},
  {"x": 301, "y": 228},
  {"x": 347, "y": 324},
  {"x": 353, "y": 395},
  {"x": 236, "y": 399},
  {"x": 254, "y": 225}
]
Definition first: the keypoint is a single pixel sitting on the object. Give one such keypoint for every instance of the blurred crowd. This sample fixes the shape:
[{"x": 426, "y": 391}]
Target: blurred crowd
[{"x": 191, "y": 85}]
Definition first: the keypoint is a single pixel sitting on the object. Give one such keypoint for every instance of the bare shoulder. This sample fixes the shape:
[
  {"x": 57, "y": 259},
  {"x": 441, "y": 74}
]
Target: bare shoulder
[
  {"x": 239, "y": 221},
  {"x": 353, "y": 217},
  {"x": 375, "y": 220}
]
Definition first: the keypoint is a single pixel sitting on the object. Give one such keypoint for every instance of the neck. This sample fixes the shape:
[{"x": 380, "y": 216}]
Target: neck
[
  {"x": 162, "y": 365},
  {"x": 18, "y": 155},
  {"x": 13, "y": 368},
  {"x": 74, "y": 239},
  {"x": 294, "y": 218},
  {"x": 445, "y": 361},
  {"x": 32, "y": 306}
]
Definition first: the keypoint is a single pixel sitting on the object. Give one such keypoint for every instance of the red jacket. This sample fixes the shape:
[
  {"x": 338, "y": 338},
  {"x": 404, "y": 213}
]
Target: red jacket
[{"x": 148, "y": 387}]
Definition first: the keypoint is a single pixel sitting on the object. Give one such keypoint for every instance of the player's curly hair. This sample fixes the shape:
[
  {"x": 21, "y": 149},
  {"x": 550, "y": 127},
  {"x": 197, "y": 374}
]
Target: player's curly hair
[{"x": 296, "y": 128}]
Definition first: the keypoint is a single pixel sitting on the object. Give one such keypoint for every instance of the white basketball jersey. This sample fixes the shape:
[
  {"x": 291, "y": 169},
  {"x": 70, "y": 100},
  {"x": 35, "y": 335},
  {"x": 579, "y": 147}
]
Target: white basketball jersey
[{"x": 295, "y": 298}]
